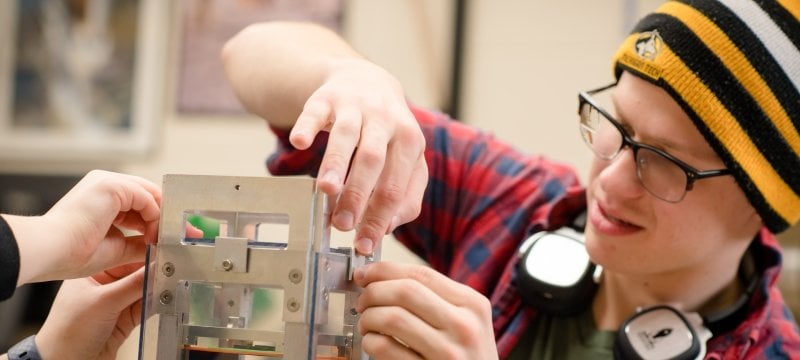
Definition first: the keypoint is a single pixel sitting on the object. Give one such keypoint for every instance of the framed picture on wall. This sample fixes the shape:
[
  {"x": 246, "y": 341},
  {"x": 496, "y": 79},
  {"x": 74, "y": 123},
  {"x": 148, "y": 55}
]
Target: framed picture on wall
[
  {"x": 204, "y": 27},
  {"x": 81, "y": 79}
]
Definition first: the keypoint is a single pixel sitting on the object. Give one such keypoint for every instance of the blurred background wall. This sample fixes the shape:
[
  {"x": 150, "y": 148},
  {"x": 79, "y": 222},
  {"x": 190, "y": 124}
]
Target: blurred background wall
[{"x": 519, "y": 65}]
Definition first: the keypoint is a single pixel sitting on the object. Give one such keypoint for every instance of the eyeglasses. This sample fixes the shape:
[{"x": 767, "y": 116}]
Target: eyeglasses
[{"x": 661, "y": 174}]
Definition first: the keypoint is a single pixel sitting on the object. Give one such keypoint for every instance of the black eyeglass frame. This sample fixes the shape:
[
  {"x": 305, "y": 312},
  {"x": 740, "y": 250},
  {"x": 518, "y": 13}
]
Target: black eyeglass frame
[{"x": 692, "y": 174}]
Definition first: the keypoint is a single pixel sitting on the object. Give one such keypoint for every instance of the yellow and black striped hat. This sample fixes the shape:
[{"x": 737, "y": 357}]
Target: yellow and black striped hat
[{"x": 734, "y": 67}]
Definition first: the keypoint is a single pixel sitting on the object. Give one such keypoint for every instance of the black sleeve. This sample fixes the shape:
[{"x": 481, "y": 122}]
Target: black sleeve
[{"x": 9, "y": 261}]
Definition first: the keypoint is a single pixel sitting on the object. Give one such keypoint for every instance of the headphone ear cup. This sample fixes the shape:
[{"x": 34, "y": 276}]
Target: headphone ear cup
[
  {"x": 555, "y": 274},
  {"x": 558, "y": 300},
  {"x": 659, "y": 332}
]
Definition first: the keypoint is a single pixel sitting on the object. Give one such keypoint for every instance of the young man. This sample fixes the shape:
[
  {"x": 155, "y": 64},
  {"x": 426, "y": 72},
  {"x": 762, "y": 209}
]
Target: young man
[
  {"x": 696, "y": 168},
  {"x": 81, "y": 238}
]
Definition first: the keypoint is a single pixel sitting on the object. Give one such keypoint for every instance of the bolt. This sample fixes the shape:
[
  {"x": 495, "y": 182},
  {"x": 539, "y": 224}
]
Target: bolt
[
  {"x": 168, "y": 269},
  {"x": 293, "y": 305},
  {"x": 295, "y": 276},
  {"x": 227, "y": 264},
  {"x": 166, "y": 297}
]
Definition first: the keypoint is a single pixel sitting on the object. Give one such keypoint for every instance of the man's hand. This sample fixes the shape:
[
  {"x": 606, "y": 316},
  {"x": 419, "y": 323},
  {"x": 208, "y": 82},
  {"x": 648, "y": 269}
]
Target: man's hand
[
  {"x": 413, "y": 312},
  {"x": 374, "y": 161}
]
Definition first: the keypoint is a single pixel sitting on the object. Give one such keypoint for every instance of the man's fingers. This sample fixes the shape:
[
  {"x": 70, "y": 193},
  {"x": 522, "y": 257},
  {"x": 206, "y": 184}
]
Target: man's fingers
[
  {"x": 389, "y": 329},
  {"x": 431, "y": 313},
  {"x": 380, "y": 347},
  {"x": 391, "y": 191},
  {"x": 411, "y": 206},
  {"x": 345, "y": 135},
  {"x": 368, "y": 164},
  {"x": 450, "y": 290},
  {"x": 418, "y": 299},
  {"x": 314, "y": 118},
  {"x": 398, "y": 192}
]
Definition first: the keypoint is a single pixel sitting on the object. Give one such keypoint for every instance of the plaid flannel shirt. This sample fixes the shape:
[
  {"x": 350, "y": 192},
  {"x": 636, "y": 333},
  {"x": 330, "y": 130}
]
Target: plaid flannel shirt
[{"x": 484, "y": 198}]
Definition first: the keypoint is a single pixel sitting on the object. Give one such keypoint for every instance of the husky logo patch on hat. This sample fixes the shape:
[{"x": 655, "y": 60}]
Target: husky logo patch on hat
[
  {"x": 640, "y": 52},
  {"x": 649, "y": 45}
]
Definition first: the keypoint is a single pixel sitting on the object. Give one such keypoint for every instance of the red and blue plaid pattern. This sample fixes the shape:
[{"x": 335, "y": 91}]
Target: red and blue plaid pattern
[{"x": 484, "y": 198}]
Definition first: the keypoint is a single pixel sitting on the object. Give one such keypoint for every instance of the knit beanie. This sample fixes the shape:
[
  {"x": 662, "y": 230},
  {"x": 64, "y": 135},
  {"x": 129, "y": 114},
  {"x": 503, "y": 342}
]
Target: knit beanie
[{"x": 734, "y": 68}]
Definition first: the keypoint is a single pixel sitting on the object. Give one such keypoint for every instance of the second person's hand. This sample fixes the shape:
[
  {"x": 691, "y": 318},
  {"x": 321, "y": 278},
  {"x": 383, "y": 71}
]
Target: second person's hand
[
  {"x": 91, "y": 317},
  {"x": 104, "y": 221}
]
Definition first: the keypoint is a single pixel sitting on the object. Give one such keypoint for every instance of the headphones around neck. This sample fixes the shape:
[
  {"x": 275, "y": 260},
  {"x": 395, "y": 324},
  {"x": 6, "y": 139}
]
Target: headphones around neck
[{"x": 555, "y": 275}]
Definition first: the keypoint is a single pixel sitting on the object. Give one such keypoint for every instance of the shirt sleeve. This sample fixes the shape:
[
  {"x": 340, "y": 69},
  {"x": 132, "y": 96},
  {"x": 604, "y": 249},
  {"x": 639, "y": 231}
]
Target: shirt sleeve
[
  {"x": 287, "y": 160},
  {"x": 9, "y": 261}
]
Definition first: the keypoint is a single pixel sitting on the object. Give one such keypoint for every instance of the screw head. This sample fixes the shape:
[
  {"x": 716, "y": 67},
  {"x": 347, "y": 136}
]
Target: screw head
[
  {"x": 165, "y": 297},
  {"x": 168, "y": 269},
  {"x": 293, "y": 305},
  {"x": 295, "y": 276},
  {"x": 227, "y": 264}
]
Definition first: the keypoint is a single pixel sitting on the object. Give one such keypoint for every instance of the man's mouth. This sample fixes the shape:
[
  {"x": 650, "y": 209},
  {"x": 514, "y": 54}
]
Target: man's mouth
[{"x": 609, "y": 222}]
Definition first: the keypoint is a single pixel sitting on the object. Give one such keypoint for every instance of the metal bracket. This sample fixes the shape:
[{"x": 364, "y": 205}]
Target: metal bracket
[{"x": 230, "y": 254}]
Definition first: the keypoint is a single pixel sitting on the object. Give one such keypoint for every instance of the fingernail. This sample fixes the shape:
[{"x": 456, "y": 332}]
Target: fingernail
[
  {"x": 331, "y": 177},
  {"x": 299, "y": 132},
  {"x": 298, "y": 138},
  {"x": 358, "y": 273},
  {"x": 364, "y": 246},
  {"x": 343, "y": 220}
]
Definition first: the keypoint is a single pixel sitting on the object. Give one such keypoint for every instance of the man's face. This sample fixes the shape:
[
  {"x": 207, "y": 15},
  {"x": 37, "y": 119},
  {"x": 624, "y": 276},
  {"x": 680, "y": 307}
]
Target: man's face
[{"x": 631, "y": 231}]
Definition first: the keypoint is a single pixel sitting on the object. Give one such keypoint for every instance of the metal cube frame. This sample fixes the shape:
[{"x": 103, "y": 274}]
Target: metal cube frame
[{"x": 201, "y": 294}]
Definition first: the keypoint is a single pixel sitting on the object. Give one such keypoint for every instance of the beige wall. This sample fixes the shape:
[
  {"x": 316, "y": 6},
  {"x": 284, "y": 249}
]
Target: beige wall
[{"x": 526, "y": 62}]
